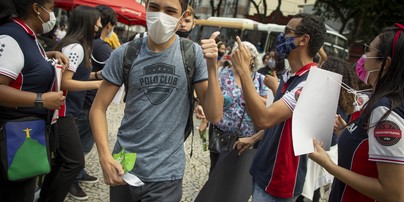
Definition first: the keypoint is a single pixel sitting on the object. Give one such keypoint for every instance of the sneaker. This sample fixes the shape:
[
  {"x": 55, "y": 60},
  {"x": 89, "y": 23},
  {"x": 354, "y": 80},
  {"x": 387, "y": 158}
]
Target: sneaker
[
  {"x": 77, "y": 192},
  {"x": 86, "y": 178}
]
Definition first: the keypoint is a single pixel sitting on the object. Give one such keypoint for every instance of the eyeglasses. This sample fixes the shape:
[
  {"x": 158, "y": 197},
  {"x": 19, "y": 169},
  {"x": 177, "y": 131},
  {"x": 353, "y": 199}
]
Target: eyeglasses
[
  {"x": 289, "y": 30},
  {"x": 367, "y": 57},
  {"x": 366, "y": 48}
]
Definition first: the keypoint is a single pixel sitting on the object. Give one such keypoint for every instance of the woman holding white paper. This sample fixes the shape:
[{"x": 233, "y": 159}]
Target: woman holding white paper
[{"x": 371, "y": 149}]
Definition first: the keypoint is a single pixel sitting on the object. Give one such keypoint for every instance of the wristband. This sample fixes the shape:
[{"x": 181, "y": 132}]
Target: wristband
[{"x": 96, "y": 76}]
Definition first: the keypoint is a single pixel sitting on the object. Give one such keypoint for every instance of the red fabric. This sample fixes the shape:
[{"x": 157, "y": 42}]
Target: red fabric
[
  {"x": 401, "y": 28},
  {"x": 128, "y": 11}
]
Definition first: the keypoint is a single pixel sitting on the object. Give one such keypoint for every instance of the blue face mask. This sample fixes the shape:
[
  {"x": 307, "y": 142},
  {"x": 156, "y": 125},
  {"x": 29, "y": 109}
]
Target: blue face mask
[{"x": 284, "y": 45}]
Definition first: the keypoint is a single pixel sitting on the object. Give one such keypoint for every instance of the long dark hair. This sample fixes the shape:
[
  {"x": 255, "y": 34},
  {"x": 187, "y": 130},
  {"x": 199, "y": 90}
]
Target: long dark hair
[
  {"x": 342, "y": 67},
  {"x": 81, "y": 30},
  {"x": 390, "y": 85}
]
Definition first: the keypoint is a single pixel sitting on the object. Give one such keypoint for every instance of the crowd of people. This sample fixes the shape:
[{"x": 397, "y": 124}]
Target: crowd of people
[{"x": 69, "y": 87}]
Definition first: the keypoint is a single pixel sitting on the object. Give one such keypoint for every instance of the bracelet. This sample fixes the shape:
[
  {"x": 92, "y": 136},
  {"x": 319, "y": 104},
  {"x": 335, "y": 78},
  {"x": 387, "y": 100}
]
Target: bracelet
[{"x": 96, "y": 76}]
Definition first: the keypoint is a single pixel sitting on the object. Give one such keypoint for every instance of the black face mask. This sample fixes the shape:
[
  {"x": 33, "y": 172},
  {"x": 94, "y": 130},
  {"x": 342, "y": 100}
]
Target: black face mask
[
  {"x": 220, "y": 54},
  {"x": 183, "y": 34},
  {"x": 98, "y": 34}
]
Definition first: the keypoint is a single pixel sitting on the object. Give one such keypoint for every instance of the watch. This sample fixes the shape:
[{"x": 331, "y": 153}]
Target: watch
[{"x": 38, "y": 101}]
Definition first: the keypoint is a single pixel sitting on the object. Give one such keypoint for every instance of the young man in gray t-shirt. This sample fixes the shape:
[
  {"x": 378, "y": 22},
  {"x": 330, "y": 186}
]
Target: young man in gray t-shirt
[{"x": 157, "y": 106}]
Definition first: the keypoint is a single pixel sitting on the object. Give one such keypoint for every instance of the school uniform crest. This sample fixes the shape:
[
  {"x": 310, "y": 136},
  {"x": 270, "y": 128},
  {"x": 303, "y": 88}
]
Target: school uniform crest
[{"x": 387, "y": 133}]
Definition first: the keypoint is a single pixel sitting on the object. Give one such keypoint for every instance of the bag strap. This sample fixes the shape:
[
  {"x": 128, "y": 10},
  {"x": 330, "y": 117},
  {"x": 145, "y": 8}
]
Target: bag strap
[
  {"x": 131, "y": 52},
  {"x": 188, "y": 58}
]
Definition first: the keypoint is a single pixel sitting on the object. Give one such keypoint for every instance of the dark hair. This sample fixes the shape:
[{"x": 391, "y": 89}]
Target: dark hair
[
  {"x": 22, "y": 6},
  {"x": 7, "y": 9},
  {"x": 81, "y": 30},
  {"x": 313, "y": 26},
  {"x": 342, "y": 67},
  {"x": 184, "y": 5},
  {"x": 107, "y": 15},
  {"x": 390, "y": 85}
]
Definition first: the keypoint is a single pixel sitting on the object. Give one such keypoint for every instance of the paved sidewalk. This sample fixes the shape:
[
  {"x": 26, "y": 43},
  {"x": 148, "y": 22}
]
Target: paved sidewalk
[{"x": 196, "y": 171}]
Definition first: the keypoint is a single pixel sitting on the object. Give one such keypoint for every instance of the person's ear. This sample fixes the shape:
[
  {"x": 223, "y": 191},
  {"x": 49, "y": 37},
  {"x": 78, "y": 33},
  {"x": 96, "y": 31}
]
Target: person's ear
[
  {"x": 193, "y": 23},
  {"x": 387, "y": 64},
  {"x": 304, "y": 40},
  {"x": 35, "y": 8}
]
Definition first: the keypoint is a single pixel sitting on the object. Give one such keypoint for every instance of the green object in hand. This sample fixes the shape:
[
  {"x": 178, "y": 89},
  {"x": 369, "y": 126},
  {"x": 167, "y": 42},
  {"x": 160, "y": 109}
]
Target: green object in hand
[
  {"x": 204, "y": 141},
  {"x": 127, "y": 160}
]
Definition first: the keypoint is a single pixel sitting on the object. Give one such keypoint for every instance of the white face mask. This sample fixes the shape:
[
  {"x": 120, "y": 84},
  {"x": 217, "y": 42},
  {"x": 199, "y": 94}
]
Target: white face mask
[
  {"x": 160, "y": 26},
  {"x": 48, "y": 26}
]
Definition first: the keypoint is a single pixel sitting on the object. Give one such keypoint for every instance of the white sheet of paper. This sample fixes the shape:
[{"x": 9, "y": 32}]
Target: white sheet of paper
[
  {"x": 132, "y": 180},
  {"x": 58, "y": 72},
  {"x": 314, "y": 114},
  {"x": 118, "y": 96}
]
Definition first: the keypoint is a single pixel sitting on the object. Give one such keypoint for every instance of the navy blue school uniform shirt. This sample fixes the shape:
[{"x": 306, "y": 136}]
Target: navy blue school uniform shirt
[
  {"x": 101, "y": 52},
  {"x": 75, "y": 99},
  {"x": 359, "y": 149},
  {"x": 275, "y": 167},
  {"x": 24, "y": 60}
]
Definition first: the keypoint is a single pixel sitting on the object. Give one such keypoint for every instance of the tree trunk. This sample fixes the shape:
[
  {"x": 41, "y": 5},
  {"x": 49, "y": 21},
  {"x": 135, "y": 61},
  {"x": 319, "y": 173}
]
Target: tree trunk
[
  {"x": 235, "y": 9},
  {"x": 212, "y": 6}
]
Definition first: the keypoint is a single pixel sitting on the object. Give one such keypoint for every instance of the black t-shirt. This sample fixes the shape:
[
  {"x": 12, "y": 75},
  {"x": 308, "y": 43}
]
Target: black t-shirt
[{"x": 101, "y": 52}]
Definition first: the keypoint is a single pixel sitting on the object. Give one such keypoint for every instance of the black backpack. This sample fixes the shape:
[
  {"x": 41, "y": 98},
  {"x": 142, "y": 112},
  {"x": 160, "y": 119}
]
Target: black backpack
[{"x": 188, "y": 58}]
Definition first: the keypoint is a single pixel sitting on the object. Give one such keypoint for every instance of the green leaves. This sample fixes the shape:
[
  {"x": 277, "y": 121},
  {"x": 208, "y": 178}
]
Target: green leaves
[{"x": 127, "y": 160}]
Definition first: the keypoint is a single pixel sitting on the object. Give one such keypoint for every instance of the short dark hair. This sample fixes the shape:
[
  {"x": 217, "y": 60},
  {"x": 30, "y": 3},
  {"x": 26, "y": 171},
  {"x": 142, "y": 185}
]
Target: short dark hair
[
  {"x": 7, "y": 9},
  {"x": 22, "y": 6},
  {"x": 107, "y": 15},
  {"x": 313, "y": 26},
  {"x": 184, "y": 5}
]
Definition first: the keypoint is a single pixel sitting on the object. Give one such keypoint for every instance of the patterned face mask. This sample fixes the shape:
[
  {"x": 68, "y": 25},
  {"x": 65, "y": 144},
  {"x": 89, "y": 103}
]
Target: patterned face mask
[{"x": 284, "y": 45}]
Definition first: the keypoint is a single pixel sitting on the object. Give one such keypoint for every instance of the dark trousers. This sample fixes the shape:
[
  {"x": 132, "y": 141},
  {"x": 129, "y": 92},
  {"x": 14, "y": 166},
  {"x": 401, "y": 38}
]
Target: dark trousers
[
  {"x": 166, "y": 191},
  {"x": 67, "y": 163},
  {"x": 213, "y": 160},
  {"x": 21, "y": 191}
]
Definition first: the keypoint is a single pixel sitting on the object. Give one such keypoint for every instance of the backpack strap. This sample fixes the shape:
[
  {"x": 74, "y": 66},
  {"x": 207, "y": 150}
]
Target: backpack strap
[
  {"x": 188, "y": 58},
  {"x": 131, "y": 52}
]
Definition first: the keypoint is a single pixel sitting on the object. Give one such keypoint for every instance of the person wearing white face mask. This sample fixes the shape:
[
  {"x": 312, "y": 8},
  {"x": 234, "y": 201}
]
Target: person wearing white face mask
[
  {"x": 26, "y": 77},
  {"x": 157, "y": 105}
]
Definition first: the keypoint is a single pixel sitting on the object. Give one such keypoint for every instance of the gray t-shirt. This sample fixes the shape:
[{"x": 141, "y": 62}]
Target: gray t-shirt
[{"x": 157, "y": 109}]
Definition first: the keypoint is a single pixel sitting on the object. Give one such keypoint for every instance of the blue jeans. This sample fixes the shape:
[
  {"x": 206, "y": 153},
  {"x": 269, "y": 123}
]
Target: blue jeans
[{"x": 259, "y": 195}]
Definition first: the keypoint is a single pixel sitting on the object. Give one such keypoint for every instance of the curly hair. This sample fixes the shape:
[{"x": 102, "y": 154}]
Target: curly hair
[
  {"x": 342, "y": 67},
  {"x": 313, "y": 26}
]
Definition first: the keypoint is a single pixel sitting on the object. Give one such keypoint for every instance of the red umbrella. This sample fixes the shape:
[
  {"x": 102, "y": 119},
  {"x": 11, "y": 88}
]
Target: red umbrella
[{"x": 129, "y": 12}]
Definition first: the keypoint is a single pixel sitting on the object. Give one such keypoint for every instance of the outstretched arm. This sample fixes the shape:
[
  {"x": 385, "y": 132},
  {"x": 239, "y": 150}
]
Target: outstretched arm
[{"x": 262, "y": 117}]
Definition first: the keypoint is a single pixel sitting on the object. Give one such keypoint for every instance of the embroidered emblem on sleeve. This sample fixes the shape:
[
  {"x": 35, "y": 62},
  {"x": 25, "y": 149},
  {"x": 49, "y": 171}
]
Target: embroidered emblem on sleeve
[
  {"x": 2, "y": 46},
  {"x": 387, "y": 133},
  {"x": 73, "y": 58}
]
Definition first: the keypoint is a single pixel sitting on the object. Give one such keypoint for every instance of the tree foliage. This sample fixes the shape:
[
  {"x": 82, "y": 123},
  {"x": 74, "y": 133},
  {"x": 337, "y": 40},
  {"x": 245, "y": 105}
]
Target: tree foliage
[{"x": 363, "y": 18}]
